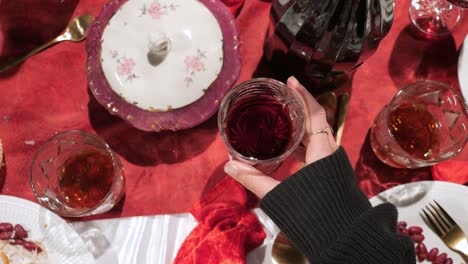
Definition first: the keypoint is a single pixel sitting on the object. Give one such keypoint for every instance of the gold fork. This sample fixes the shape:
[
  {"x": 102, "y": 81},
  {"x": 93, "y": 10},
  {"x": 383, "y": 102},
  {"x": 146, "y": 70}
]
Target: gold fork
[{"x": 446, "y": 228}]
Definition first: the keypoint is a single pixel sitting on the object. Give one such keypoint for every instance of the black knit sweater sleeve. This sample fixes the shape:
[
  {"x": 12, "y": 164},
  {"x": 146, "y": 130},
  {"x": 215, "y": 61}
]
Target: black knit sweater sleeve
[{"x": 325, "y": 214}]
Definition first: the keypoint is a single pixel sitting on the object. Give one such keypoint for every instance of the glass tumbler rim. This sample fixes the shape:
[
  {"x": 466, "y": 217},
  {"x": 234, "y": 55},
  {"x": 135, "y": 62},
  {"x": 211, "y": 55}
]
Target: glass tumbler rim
[
  {"x": 433, "y": 83},
  {"x": 241, "y": 86},
  {"x": 50, "y": 140}
]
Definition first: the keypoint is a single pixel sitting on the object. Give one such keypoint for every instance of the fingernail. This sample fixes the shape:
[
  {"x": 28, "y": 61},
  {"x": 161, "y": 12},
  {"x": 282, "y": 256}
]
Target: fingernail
[
  {"x": 294, "y": 80},
  {"x": 230, "y": 169}
]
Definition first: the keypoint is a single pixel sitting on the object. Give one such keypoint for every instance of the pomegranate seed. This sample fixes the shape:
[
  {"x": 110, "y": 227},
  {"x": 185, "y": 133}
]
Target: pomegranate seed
[
  {"x": 422, "y": 248},
  {"x": 421, "y": 257},
  {"x": 6, "y": 232},
  {"x": 432, "y": 254},
  {"x": 421, "y": 252},
  {"x": 6, "y": 227},
  {"x": 417, "y": 238},
  {"x": 6, "y": 235},
  {"x": 31, "y": 246},
  {"x": 404, "y": 232},
  {"x": 415, "y": 230},
  {"x": 416, "y": 234},
  {"x": 20, "y": 232},
  {"x": 17, "y": 241},
  {"x": 440, "y": 259},
  {"x": 401, "y": 223}
]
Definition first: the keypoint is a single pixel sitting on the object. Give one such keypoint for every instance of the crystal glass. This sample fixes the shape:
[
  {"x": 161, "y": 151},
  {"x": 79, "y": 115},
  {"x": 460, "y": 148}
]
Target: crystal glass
[
  {"x": 75, "y": 173},
  {"x": 425, "y": 123},
  {"x": 261, "y": 121},
  {"x": 436, "y": 18}
]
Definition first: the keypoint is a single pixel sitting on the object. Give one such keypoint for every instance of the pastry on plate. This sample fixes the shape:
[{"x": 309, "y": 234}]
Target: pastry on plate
[{"x": 16, "y": 249}]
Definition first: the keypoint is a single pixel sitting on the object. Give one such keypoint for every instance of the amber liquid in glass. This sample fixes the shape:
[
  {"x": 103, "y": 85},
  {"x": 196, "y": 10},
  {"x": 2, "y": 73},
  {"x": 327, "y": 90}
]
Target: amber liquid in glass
[
  {"x": 259, "y": 127},
  {"x": 415, "y": 130},
  {"x": 86, "y": 178}
]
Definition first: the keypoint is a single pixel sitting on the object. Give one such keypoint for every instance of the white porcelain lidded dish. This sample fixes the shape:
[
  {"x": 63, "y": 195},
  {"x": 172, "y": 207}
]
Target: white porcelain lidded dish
[{"x": 163, "y": 64}]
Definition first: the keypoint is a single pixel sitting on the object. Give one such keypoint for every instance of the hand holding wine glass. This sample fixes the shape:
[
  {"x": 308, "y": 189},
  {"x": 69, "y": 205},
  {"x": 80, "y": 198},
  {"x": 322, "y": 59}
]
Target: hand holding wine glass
[
  {"x": 317, "y": 143},
  {"x": 261, "y": 122}
]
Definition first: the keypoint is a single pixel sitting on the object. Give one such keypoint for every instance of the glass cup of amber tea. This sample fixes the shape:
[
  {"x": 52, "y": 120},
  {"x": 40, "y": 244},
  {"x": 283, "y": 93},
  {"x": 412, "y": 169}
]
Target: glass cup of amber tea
[
  {"x": 425, "y": 123},
  {"x": 261, "y": 122},
  {"x": 76, "y": 174}
]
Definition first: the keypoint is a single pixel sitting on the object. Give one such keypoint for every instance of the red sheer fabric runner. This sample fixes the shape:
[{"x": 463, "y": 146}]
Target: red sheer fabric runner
[{"x": 227, "y": 229}]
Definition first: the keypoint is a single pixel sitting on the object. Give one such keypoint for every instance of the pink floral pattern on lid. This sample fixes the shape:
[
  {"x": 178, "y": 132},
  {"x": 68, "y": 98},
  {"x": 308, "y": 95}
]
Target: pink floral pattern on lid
[
  {"x": 194, "y": 64},
  {"x": 124, "y": 66},
  {"x": 156, "y": 10}
]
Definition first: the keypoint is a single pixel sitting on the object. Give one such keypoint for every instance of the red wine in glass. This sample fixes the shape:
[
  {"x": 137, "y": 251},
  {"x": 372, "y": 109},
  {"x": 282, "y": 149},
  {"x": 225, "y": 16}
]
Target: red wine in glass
[
  {"x": 261, "y": 122},
  {"x": 259, "y": 127},
  {"x": 460, "y": 3}
]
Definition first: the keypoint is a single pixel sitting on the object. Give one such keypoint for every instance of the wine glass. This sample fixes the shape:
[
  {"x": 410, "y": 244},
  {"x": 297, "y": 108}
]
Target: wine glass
[
  {"x": 424, "y": 124},
  {"x": 261, "y": 122},
  {"x": 75, "y": 173},
  {"x": 436, "y": 18}
]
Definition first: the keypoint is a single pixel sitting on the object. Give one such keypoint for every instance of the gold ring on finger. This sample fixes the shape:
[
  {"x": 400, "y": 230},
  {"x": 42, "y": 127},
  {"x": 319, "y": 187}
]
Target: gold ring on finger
[{"x": 324, "y": 131}]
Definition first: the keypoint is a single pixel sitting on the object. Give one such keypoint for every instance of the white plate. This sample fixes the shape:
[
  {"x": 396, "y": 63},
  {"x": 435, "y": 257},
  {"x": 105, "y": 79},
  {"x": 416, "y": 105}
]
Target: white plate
[
  {"x": 463, "y": 69},
  {"x": 62, "y": 244},
  {"x": 411, "y": 198}
]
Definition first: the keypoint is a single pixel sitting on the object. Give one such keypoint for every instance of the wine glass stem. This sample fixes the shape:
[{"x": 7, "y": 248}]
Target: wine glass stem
[{"x": 435, "y": 17}]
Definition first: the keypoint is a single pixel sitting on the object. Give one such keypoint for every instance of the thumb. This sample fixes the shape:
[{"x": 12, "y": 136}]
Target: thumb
[{"x": 250, "y": 178}]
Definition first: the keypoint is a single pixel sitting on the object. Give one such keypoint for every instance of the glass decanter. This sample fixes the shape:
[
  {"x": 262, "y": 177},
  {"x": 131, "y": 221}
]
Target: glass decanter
[{"x": 320, "y": 41}]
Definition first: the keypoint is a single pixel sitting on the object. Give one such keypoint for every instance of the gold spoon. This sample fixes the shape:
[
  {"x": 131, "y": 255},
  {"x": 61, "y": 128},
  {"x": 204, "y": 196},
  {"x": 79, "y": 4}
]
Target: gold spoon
[
  {"x": 75, "y": 31},
  {"x": 328, "y": 101},
  {"x": 283, "y": 252},
  {"x": 343, "y": 109}
]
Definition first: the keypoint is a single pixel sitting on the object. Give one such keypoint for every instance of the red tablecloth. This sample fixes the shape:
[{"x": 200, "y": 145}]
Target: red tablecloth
[{"x": 167, "y": 172}]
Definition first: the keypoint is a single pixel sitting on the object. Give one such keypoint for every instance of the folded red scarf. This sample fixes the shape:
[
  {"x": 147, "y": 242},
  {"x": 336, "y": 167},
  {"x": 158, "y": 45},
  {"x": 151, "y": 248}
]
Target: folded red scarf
[{"x": 227, "y": 230}]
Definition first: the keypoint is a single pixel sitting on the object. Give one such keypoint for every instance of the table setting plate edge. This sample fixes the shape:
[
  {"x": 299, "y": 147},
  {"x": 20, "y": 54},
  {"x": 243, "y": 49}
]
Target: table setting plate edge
[{"x": 75, "y": 253}]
